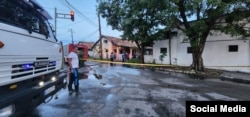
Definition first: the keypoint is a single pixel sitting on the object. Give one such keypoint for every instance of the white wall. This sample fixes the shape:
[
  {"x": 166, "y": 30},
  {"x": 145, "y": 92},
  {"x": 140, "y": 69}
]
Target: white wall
[
  {"x": 156, "y": 51},
  {"x": 215, "y": 55},
  {"x": 105, "y": 46},
  {"x": 148, "y": 58}
]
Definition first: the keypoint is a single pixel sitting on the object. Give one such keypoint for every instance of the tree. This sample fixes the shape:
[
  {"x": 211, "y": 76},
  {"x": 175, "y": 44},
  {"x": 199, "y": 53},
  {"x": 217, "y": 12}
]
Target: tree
[
  {"x": 136, "y": 19},
  {"x": 210, "y": 15},
  {"x": 150, "y": 20}
]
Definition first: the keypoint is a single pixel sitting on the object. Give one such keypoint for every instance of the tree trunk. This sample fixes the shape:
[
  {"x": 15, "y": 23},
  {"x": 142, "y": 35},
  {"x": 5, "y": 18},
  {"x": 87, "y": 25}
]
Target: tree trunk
[
  {"x": 141, "y": 49},
  {"x": 142, "y": 53},
  {"x": 197, "y": 64},
  {"x": 197, "y": 50}
]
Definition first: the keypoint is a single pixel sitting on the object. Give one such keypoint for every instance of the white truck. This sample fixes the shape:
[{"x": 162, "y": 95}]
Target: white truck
[{"x": 30, "y": 57}]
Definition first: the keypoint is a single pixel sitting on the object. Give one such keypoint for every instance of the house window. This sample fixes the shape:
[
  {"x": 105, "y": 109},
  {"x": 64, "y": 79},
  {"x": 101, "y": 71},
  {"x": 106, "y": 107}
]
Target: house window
[
  {"x": 174, "y": 34},
  {"x": 148, "y": 52},
  {"x": 105, "y": 41},
  {"x": 233, "y": 48},
  {"x": 189, "y": 50},
  {"x": 163, "y": 50}
]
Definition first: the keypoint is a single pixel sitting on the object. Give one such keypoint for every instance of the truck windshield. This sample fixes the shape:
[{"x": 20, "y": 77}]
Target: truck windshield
[{"x": 25, "y": 15}]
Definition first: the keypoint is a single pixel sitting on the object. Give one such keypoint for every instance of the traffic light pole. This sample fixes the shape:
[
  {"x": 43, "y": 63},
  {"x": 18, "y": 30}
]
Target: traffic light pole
[
  {"x": 71, "y": 31},
  {"x": 62, "y": 16}
]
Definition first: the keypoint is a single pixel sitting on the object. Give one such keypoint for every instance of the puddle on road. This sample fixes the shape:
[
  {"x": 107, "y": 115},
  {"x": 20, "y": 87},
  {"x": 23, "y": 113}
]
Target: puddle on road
[{"x": 109, "y": 97}]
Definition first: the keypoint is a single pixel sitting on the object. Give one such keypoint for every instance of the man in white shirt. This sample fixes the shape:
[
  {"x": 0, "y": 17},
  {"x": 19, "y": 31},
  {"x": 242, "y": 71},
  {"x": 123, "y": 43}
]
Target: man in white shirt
[{"x": 73, "y": 65}]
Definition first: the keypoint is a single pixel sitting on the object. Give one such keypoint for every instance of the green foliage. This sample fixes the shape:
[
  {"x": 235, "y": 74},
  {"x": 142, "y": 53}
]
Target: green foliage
[
  {"x": 150, "y": 20},
  {"x": 139, "y": 19},
  {"x": 162, "y": 56},
  {"x": 153, "y": 62}
]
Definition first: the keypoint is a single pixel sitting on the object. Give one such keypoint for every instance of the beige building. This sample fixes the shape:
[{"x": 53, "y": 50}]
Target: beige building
[{"x": 108, "y": 44}]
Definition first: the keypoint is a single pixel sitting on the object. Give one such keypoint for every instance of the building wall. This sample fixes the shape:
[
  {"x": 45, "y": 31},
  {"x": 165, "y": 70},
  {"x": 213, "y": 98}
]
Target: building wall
[
  {"x": 95, "y": 53},
  {"x": 215, "y": 55},
  {"x": 148, "y": 58},
  {"x": 105, "y": 48}
]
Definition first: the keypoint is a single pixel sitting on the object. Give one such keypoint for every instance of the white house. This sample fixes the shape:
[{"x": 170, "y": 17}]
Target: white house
[{"x": 221, "y": 52}]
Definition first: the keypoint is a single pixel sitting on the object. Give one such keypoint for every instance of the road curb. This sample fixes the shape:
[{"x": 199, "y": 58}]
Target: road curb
[{"x": 232, "y": 79}]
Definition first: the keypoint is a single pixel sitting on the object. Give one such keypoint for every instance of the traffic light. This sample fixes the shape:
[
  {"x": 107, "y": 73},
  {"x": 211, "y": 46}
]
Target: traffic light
[{"x": 72, "y": 15}]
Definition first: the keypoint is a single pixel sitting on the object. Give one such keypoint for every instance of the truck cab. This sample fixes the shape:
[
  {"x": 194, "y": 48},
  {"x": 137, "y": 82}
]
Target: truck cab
[{"x": 31, "y": 57}]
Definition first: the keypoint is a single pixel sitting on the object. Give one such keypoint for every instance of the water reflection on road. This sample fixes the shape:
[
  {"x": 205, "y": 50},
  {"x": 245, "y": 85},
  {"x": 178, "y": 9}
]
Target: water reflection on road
[{"x": 130, "y": 92}]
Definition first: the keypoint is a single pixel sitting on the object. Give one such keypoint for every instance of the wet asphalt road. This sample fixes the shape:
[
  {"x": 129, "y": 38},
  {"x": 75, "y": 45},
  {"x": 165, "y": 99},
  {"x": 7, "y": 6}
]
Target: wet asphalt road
[{"x": 130, "y": 92}]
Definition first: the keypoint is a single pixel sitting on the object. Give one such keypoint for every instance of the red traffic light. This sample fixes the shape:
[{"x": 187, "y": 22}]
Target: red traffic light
[{"x": 72, "y": 15}]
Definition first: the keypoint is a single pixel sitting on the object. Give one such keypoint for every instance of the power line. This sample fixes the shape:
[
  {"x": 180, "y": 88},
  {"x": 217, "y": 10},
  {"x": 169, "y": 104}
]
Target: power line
[
  {"x": 64, "y": 4},
  {"x": 92, "y": 33}
]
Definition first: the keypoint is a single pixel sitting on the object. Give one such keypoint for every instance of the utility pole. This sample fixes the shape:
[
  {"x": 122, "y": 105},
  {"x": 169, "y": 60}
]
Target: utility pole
[
  {"x": 170, "y": 36},
  {"x": 100, "y": 34},
  {"x": 71, "y": 31}
]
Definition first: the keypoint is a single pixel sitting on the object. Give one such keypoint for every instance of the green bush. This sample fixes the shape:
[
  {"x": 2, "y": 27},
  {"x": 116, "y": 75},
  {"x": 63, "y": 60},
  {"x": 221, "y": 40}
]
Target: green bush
[
  {"x": 134, "y": 60},
  {"x": 153, "y": 62}
]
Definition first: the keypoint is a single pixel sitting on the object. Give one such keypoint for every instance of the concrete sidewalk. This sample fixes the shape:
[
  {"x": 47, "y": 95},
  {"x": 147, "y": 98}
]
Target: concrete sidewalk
[{"x": 238, "y": 77}]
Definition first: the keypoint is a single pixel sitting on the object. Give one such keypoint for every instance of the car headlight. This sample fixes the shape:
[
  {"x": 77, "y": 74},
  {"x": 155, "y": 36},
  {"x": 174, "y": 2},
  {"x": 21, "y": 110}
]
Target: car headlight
[{"x": 7, "y": 111}]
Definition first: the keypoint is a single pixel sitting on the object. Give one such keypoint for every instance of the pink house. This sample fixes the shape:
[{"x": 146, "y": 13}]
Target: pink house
[{"x": 108, "y": 44}]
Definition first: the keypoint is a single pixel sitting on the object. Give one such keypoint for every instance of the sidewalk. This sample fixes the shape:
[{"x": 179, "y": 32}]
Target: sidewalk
[{"x": 238, "y": 77}]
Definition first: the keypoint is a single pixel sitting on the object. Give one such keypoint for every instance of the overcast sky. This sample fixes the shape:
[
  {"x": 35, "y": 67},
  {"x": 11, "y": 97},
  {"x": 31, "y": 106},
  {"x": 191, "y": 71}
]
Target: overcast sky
[{"x": 85, "y": 26}]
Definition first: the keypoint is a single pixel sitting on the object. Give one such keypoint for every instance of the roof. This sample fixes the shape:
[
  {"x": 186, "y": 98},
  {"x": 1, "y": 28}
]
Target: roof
[
  {"x": 88, "y": 44},
  {"x": 120, "y": 42}
]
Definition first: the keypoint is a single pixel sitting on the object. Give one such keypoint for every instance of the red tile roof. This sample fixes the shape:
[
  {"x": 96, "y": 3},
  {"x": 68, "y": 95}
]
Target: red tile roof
[
  {"x": 89, "y": 44},
  {"x": 120, "y": 42}
]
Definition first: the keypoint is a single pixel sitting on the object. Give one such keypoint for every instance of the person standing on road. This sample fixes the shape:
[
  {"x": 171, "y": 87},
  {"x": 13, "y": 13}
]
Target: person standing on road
[
  {"x": 123, "y": 57},
  {"x": 73, "y": 67},
  {"x": 112, "y": 56}
]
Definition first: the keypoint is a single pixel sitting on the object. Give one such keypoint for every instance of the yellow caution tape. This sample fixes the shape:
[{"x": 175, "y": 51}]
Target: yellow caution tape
[
  {"x": 125, "y": 63},
  {"x": 152, "y": 65}
]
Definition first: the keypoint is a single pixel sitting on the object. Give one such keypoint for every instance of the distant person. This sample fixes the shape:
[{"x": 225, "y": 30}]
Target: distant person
[
  {"x": 112, "y": 56},
  {"x": 73, "y": 61},
  {"x": 123, "y": 57},
  {"x": 127, "y": 56},
  {"x": 133, "y": 55}
]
